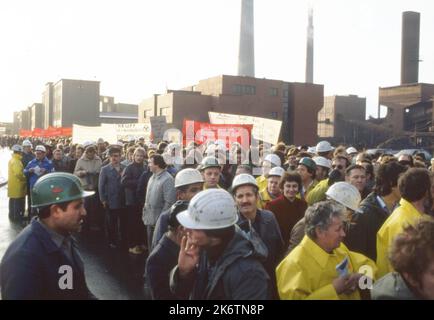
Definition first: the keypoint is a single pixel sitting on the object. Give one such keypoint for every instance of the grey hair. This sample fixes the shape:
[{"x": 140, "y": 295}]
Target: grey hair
[{"x": 321, "y": 214}]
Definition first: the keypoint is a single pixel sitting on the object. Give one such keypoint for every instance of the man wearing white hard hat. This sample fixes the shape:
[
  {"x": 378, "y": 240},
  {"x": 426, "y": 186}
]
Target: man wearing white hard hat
[
  {"x": 38, "y": 167},
  {"x": 27, "y": 152},
  {"x": 245, "y": 192},
  {"x": 324, "y": 149},
  {"x": 216, "y": 260},
  {"x": 26, "y": 158},
  {"x": 270, "y": 161},
  {"x": 352, "y": 153},
  {"x": 188, "y": 182},
  {"x": 17, "y": 188},
  {"x": 323, "y": 167},
  {"x": 272, "y": 191}
]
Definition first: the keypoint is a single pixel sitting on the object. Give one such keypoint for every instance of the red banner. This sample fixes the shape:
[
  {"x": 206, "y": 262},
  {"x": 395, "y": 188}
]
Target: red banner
[
  {"x": 201, "y": 132},
  {"x": 50, "y": 132}
]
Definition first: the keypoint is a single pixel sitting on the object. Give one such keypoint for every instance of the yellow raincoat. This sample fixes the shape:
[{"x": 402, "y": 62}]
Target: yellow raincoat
[
  {"x": 308, "y": 272},
  {"x": 317, "y": 194},
  {"x": 17, "y": 187},
  {"x": 262, "y": 182},
  {"x": 405, "y": 214},
  {"x": 264, "y": 198}
]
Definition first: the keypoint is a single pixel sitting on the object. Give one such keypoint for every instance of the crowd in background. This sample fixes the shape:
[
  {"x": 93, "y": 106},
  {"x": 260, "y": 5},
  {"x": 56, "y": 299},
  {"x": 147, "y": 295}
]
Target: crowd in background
[{"x": 316, "y": 217}]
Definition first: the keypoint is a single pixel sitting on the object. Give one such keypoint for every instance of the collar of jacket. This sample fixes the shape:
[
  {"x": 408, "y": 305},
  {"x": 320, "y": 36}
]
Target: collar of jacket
[
  {"x": 44, "y": 236},
  {"x": 408, "y": 210},
  {"x": 17, "y": 156},
  {"x": 317, "y": 253},
  {"x": 83, "y": 157},
  {"x": 158, "y": 175},
  {"x": 234, "y": 250}
]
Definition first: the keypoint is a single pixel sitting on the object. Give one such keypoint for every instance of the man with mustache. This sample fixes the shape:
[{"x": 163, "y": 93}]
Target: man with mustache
[{"x": 43, "y": 262}]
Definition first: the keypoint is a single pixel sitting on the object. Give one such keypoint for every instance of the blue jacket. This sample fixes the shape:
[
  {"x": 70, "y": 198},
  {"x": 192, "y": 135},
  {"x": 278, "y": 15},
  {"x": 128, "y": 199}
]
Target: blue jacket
[
  {"x": 129, "y": 182},
  {"x": 33, "y": 177},
  {"x": 31, "y": 269},
  {"x": 27, "y": 157},
  {"x": 161, "y": 227},
  {"x": 110, "y": 188},
  {"x": 236, "y": 275},
  {"x": 163, "y": 258}
]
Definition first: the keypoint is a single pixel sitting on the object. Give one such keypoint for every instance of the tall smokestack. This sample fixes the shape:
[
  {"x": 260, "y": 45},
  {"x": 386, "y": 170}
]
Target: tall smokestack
[
  {"x": 309, "y": 49},
  {"x": 246, "y": 56},
  {"x": 410, "y": 47}
]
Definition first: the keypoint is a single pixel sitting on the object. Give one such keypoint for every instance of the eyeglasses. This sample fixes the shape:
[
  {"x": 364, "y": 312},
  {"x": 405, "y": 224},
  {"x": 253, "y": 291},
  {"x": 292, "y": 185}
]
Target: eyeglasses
[{"x": 339, "y": 166}]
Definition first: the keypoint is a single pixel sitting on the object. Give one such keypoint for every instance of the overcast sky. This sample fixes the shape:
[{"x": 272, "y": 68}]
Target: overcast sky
[{"x": 139, "y": 47}]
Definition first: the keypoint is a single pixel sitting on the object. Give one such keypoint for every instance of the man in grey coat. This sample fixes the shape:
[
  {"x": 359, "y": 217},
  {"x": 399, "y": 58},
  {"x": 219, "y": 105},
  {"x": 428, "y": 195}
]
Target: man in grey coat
[
  {"x": 160, "y": 195},
  {"x": 111, "y": 196}
]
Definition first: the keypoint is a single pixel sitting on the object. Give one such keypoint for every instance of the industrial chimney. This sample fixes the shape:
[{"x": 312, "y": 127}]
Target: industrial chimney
[
  {"x": 309, "y": 49},
  {"x": 410, "y": 47},
  {"x": 246, "y": 56}
]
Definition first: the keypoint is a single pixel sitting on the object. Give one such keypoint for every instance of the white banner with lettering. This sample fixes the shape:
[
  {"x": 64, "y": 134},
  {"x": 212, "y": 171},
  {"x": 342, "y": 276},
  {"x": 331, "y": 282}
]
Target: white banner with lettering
[{"x": 264, "y": 129}]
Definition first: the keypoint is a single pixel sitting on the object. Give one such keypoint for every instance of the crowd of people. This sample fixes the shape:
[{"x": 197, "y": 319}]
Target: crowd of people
[{"x": 215, "y": 221}]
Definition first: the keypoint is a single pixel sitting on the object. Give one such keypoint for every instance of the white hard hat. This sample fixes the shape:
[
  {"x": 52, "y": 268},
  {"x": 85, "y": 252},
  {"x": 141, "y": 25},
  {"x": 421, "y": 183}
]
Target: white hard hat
[
  {"x": 209, "y": 209},
  {"x": 100, "y": 140},
  {"x": 323, "y": 146},
  {"x": 273, "y": 159},
  {"x": 351, "y": 150},
  {"x": 276, "y": 171},
  {"x": 17, "y": 148},
  {"x": 243, "y": 179},
  {"x": 40, "y": 148},
  {"x": 323, "y": 162},
  {"x": 88, "y": 143},
  {"x": 187, "y": 176},
  {"x": 311, "y": 150},
  {"x": 346, "y": 194},
  {"x": 27, "y": 143}
]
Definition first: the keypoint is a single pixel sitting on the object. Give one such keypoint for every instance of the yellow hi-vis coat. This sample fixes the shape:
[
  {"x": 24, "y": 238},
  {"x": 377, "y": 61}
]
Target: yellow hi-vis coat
[
  {"x": 308, "y": 272},
  {"x": 264, "y": 198},
  {"x": 405, "y": 214},
  {"x": 262, "y": 182},
  {"x": 17, "y": 187}
]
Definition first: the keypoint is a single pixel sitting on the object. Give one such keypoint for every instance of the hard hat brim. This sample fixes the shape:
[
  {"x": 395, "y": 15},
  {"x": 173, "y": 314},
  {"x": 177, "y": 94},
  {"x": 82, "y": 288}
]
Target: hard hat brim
[
  {"x": 187, "y": 222},
  {"x": 84, "y": 194}
]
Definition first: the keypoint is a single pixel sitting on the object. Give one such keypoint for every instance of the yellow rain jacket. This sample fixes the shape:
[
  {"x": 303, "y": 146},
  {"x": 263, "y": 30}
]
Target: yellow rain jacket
[
  {"x": 308, "y": 272},
  {"x": 264, "y": 198},
  {"x": 317, "y": 194},
  {"x": 405, "y": 214},
  {"x": 262, "y": 182},
  {"x": 17, "y": 187}
]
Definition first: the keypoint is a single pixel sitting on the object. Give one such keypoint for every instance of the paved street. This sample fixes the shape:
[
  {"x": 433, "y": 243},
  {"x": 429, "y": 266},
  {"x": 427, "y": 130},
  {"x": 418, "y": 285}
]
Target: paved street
[{"x": 110, "y": 274}]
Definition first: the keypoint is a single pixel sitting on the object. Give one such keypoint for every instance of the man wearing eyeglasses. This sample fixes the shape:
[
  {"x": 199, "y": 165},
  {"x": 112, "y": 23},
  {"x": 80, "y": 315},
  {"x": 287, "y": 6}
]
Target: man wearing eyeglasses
[{"x": 339, "y": 164}]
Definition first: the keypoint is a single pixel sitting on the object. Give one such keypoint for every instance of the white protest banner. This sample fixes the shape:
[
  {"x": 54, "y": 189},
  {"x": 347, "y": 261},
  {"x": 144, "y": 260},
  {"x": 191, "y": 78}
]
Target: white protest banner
[
  {"x": 128, "y": 131},
  {"x": 80, "y": 134},
  {"x": 264, "y": 129},
  {"x": 158, "y": 126}
]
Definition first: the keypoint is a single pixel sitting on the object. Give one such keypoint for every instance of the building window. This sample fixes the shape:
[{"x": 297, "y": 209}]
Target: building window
[
  {"x": 147, "y": 114},
  {"x": 286, "y": 93},
  {"x": 237, "y": 89},
  {"x": 274, "y": 92},
  {"x": 274, "y": 115},
  {"x": 250, "y": 90}
]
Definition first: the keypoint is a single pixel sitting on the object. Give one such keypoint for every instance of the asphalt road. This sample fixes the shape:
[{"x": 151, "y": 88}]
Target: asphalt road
[{"x": 110, "y": 274}]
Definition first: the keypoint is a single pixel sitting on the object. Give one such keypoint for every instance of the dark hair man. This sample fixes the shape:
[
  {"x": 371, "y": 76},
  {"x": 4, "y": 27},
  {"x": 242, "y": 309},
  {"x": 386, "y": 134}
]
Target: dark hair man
[{"x": 43, "y": 262}]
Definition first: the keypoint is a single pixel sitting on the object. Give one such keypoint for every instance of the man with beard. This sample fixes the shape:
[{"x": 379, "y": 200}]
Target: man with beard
[{"x": 43, "y": 262}]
